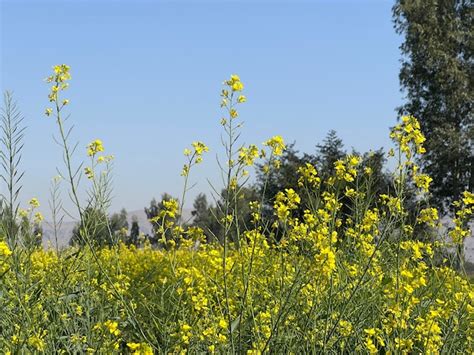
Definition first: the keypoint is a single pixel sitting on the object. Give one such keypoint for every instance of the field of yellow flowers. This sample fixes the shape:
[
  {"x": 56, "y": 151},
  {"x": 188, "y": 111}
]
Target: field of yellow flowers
[{"x": 328, "y": 280}]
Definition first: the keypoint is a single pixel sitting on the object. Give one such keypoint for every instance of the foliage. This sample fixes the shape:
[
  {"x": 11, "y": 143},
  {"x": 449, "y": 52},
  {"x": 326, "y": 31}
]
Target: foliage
[{"x": 436, "y": 75}]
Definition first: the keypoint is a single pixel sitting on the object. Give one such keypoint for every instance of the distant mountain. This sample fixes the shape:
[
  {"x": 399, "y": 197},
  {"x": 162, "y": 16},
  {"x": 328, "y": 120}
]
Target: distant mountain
[{"x": 65, "y": 231}]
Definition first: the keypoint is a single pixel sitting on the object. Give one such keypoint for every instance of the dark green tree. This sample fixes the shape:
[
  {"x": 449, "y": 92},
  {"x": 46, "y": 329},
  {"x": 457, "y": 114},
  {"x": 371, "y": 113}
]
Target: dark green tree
[
  {"x": 134, "y": 231},
  {"x": 269, "y": 184},
  {"x": 118, "y": 221},
  {"x": 437, "y": 77},
  {"x": 92, "y": 228},
  {"x": 328, "y": 152},
  {"x": 209, "y": 217}
]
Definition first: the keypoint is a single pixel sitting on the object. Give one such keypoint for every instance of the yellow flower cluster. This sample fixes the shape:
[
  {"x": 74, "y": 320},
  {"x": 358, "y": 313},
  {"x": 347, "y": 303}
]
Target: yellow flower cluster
[
  {"x": 248, "y": 155},
  {"x": 95, "y": 147},
  {"x": 194, "y": 157},
  {"x": 61, "y": 74},
  {"x": 464, "y": 213},
  {"x": 277, "y": 144},
  {"x": 308, "y": 174},
  {"x": 140, "y": 348},
  {"x": 34, "y": 203},
  {"x": 346, "y": 169},
  {"x": 285, "y": 202},
  {"x": 4, "y": 249},
  {"x": 407, "y": 135},
  {"x": 234, "y": 83}
]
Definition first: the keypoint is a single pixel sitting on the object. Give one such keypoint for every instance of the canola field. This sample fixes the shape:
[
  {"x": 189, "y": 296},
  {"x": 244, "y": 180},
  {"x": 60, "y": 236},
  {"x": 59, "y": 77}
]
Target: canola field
[{"x": 339, "y": 269}]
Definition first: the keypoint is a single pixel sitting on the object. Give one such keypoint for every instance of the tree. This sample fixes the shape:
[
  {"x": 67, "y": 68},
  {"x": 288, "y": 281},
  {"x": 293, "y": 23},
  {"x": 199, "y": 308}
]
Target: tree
[
  {"x": 437, "y": 77},
  {"x": 209, "y": 217},
  {"x": 92, "y": 228},
  {"x": 118, "y": 221},
  {"x": 286, "y": 176},
  {"x": 134, "y": 231},
  {"x": 100, "y": 229},
  {"x": 329, "y": 152},
  {"x": 205, "y": 217}
]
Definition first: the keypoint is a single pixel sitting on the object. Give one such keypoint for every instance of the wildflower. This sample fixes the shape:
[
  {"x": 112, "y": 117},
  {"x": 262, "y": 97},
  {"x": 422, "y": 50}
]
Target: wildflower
[
  {"x": 59, "y": 78},
  {"x": 200, "y": 148},
  {"x": 48, "y": 112},
  {"x": 95, "y": 147},
  {"x": 133, "y": 346},
  {"x": 4, "y": 249},
  {"x": 34, "y": 203},
  {"x": 38, "y": 217},
  {"x": 37, "y": 343},
  {"x": 112, "y": 327},
  {"x": 428, "y": 216},
  {"x": 223, "y": 323},
  {"x": 423, "y": 181},
  {"x": 284, "y": 202},
  {"x": 89, "y": 172},
  {"x": 241, "y": 99},
  {"x": 327, "y": 261},
  {"x": 170, "y": 208},
  {"x": 234, "y": 83},
  {"x": 408, "y": 136},
  {"x": 140, "y": 348},
  {"x": 309, "y": 174},
  {"x": 277, "y": 145},
  {"x": 353, "y": 160},
  {"x": 468, "y": 198},
  {"x": 248, "y": 155},
  {"x": 185, "y": 170}
]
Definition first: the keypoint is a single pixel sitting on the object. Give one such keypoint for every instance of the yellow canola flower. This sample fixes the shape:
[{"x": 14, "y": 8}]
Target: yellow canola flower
[
  {"x": 4, "y": 249},
  {"x": 277, "y": 144},
  {"x": 423, "y": 181},
  {"x": 95, "y": 147},
  {"x": 248, "y": 155},
  {"x": 234, "y": 83},
  {"x": 200, "y": 148},
  {"x": 112, "y": 327},
  {"x": 468, "y": 198},
  {"x": 89, "y": 172},
  {"x": 34, "y": 203}
]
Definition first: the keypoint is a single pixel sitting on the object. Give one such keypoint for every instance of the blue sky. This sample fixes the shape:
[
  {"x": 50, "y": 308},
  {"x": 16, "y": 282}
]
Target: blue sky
[{"x": 147, "y": 76}]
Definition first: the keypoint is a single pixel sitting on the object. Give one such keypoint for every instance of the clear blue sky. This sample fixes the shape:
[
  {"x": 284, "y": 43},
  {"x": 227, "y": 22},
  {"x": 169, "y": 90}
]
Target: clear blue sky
[{"x": 147, "y": 76}]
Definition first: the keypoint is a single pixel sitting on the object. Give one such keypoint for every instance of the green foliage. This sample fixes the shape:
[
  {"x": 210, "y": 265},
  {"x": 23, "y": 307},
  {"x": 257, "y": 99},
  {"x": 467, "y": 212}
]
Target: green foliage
[
  {"x": 209, "y": 217},
  {"x": 92, "y": 227},
  {"x": 437, "y": 76},
  {"x": 100, "y": 229},
  {"x": 134, "y": 232}
]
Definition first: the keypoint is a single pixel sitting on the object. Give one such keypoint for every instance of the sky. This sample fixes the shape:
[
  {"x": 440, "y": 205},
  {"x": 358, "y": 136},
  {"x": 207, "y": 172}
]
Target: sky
[{"x": 146, "y": 78}]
